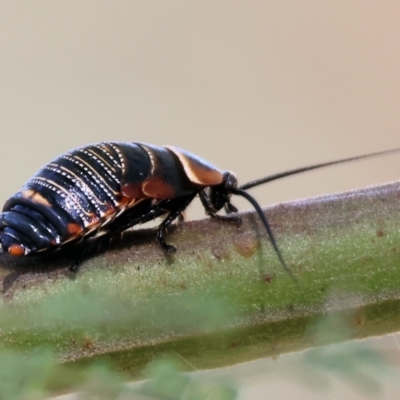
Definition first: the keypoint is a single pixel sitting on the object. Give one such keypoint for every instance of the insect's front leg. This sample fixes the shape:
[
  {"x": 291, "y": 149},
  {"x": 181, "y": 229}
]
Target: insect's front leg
[{"x": 205, "y": 200}]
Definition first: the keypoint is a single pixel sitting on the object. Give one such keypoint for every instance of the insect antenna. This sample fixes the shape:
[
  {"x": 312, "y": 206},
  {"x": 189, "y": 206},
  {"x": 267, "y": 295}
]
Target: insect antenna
[
  {"x": 280, "y": 175},
  {"x": 260, "y": 213}
]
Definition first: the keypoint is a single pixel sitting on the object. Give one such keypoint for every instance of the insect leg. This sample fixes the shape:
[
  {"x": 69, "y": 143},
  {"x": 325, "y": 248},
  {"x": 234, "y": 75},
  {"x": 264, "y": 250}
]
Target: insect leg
[
  {"x": 91, "y": 248},
  {"x": 176, "y": 207},
  {"x": 230, "y": 208},
  {"x": 205, "y": 200},
  {"x": 141, "y": 213}
]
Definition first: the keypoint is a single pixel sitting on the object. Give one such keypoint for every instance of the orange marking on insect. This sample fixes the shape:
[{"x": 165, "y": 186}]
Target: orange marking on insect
[
  {"x": 198, "y": 174},
  {"x": 27, "y": 194},
  {"x": 16, "y": 250},
  {"x": 74, "y": 229},
  {"x": 158, "y": 189},
  {"x": 36, "y": 197},
  {"x": 126, "y": 202},
  {"x": 132, "y": 191},
  {"x": 197, "y": 170}
]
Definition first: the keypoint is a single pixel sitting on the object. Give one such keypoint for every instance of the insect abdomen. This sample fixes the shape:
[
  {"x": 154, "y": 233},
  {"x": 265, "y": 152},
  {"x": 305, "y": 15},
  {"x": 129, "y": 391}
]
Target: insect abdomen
[{"x": 68, "y": 198}]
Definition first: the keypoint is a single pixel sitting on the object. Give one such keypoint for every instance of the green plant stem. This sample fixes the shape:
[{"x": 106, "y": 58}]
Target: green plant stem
[{"x": 223, "y": 298}]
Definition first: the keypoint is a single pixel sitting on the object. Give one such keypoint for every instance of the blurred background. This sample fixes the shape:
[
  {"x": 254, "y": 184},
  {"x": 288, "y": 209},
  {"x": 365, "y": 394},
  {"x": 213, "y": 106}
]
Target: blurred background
[{"x": 254, "y": 87}]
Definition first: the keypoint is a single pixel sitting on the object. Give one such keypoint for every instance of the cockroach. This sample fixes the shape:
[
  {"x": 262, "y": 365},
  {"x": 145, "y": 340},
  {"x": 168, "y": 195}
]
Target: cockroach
[{"x": 106, "y": 188}]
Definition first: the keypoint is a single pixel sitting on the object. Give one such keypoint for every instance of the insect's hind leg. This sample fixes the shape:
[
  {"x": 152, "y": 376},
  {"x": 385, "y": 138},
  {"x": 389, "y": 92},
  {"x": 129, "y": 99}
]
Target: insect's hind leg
[
  {"x": 91, "y": 248},
  {"x": 205, "y": 200},
  {"x": 96, "y": 245},
  {"x": 139, "y": 214}
]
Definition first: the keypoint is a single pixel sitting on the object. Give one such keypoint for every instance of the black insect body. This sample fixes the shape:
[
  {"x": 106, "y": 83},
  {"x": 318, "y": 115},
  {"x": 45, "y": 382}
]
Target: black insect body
[{"x": 106, "y": 188}]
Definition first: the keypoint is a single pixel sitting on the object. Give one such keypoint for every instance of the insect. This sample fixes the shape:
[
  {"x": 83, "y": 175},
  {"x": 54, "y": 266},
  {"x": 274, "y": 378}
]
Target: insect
[{"x": 106, "y": 188}]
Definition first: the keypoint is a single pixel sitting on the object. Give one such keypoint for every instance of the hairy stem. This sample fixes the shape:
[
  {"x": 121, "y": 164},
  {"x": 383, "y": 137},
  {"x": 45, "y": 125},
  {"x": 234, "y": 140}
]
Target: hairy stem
[{"x": 223, "y": 297}]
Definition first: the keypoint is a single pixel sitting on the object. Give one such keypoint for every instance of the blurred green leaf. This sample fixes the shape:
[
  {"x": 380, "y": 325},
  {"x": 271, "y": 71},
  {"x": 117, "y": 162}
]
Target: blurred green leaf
[{"x": 167, "y": 383}]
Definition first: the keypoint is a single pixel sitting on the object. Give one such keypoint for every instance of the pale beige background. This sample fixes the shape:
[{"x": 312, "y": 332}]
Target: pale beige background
[{"x": 255, "y": 87}]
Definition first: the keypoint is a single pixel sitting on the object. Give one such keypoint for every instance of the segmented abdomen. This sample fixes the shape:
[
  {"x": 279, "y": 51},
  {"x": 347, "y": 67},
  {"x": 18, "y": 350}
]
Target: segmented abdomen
[{"x": 70, "y": 197}]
